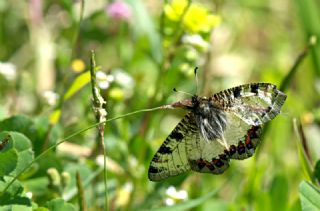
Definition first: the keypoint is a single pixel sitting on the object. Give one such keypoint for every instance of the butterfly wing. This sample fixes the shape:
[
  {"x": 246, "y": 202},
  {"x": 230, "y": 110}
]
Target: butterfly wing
[
  {"x": 213, "y": 157},
  {"x": 254, "y": 103},
  {"x": 206, "y": 156},
  {"x": 171, "y": 158},
  {"x": 245, "y": 107}
]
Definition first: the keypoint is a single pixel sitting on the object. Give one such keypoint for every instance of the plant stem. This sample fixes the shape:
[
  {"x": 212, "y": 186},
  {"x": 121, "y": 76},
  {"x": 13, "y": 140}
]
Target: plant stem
[{"x": 73, "y": 135}]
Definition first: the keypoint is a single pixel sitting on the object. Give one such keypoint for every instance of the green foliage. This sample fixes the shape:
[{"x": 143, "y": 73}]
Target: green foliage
[
  {"x": 8, "y": 156},
  {"x": 317, "y": 171},
  {"x": 309, "y": 196},
  {"x": 16, "y": 155},
  {"x": 60, "y": 204},
  {"x": 279, "y": 193},
  {"x": 143, "y": 51},
  {"x": 14, "y": 196}
]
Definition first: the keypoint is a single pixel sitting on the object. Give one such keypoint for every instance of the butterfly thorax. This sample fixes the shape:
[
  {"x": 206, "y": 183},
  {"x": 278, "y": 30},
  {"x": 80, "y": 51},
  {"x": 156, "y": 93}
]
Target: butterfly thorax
[{"x": 210, "y": 119}]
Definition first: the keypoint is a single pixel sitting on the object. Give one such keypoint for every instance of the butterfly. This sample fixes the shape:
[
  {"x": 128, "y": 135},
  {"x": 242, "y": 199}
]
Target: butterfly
[{"x": 224, "y": 126}]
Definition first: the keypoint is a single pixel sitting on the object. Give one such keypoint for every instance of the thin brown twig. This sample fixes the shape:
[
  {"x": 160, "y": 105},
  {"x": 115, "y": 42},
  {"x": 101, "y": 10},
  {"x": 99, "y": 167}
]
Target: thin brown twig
[{"x": 304, "y": 142}]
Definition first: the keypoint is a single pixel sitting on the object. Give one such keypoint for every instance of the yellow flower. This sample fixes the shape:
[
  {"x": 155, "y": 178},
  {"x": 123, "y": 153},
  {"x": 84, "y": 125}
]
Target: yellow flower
[
  {"x": 175, "y": 10},
  {"x": 78, "y": 65},
  {"x": 196, "y": 19}
]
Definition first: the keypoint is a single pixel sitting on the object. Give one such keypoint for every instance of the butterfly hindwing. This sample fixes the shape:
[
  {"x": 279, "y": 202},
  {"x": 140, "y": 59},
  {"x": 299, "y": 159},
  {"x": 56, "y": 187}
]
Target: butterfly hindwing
[
  {"x": 206, "y": 156},
  {"x": 213, "y": 157},
  {"x": 242, "y": 139},
  {"x": 171, "y": 158}
]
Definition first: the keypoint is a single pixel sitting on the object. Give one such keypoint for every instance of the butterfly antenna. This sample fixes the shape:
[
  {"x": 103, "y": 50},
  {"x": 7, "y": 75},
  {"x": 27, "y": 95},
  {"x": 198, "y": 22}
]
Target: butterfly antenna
[
  {"x": 186, "y": 93},
  {"x": 196, "y": 75}
]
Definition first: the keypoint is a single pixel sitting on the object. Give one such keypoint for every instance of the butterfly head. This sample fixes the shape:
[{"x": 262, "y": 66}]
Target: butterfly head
[
  {"x": 199, "y": 102},
  {"x": 195, "y": 101}
]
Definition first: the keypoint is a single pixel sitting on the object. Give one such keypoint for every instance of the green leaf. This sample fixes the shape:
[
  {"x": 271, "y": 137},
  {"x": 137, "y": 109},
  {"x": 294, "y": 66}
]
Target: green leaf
[
  {"x": 316, "y": 171},
  {"x": 302, "y": 155},
  {"x": 38, "y": 186},
  {"x": 309, "y": 196},
  {"x": 8, "y": 155},
  {"x": 279, "y": 193},
  {"x": 15, "y": 208},
  {"x": 16, "y": 155},
  {"x": 9, "y": 161},
  {"x": 60, "y": 205},
  {"x": 41, "y": 209},
  {"x": 14, "y": 195},
  {"x": 87, "y": 175},
  {"x": 309, "y": 12},
  {"x": 25, "y": 154},
  {"x": 262, "y": 201},
  {"x": 77, "y": 84},
  {"x": 20, "y": 124}
]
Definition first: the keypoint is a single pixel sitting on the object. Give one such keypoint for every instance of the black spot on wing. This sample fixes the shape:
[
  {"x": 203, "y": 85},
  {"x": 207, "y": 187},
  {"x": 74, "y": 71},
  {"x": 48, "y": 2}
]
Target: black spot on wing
[
  {"x": 155, "y": 158},
  {"x": 241, "y": 148},
  {"x": 165, "y": 150},
  {"x": 224, "y": 156},
  {"x": 268, "y": 109},
  {"x": 233, "y": 150},
  {"x": 217, "y": 162},
  {"x": 254, "y": 134},
  {"x": 249, "y": 145},
  {"x": 210, "y": 166},
  {"x": 236, "y": 92},
  {"x": 201, "y": 163},
  {"x": 254, "y": 88},
  {"x": 176, "y": 135},
  {"x": 153, "y": 170}
]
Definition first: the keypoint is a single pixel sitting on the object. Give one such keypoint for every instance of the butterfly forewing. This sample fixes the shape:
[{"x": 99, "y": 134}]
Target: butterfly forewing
[
  {"x": 171, "y": 158},
  {"x": 253, "y": 103}
]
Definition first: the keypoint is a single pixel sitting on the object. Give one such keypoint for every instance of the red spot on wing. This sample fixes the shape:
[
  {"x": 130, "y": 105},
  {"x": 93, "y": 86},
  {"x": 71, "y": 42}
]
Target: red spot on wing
[{"x": 251, "y": 134}]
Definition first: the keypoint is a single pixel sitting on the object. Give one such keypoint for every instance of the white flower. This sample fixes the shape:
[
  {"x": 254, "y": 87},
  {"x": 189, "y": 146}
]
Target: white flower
[
  {"x": 123, "y": 78},
  {"x": 169, "y": 201},
  {"x": 104, "y": 80},
  {"x": 197, "y": 41},
  {"x": 8, "y": 70},
  {"x": 174, "y": 195},
  {"x": 50, "y": 97}
]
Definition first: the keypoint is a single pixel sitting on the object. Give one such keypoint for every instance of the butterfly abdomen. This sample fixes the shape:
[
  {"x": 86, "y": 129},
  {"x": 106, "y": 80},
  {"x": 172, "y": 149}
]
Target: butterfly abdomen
[{"x": 210, "y": 120}]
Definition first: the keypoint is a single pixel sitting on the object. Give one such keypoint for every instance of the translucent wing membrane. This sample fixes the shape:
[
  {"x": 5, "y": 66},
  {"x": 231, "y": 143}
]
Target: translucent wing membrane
[
  {"x": 171, "y": 158},
  {"x": 253, "y": 103},
  {"x": 212, "y": 157}
]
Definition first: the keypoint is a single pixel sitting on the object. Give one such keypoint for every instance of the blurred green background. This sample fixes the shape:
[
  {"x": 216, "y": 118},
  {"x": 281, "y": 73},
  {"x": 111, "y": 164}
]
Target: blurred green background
[{"x": 144, "y": 49}]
